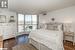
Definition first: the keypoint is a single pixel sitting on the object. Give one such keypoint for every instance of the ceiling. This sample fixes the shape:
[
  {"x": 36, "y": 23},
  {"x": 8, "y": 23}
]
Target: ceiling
[{"x": 38, "y": 6}]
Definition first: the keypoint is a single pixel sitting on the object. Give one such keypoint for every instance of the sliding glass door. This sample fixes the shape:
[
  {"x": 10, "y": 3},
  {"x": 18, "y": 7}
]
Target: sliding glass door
[
  {"x": 30, "y": 22},
  {"x": 27, "y": 22},
  {"x": 20, "y": 23}
]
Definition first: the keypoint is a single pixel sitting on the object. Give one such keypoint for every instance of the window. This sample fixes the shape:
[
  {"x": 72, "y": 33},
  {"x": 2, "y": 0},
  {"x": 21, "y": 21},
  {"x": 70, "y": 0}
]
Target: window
[
  {"x": 20, "y": 22},
  {"x": 27, "y": 22}
]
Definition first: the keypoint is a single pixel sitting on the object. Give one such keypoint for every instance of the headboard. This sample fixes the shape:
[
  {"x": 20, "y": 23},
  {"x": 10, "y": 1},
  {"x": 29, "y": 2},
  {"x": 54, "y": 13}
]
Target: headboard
[{"x": 54, "y": 26}]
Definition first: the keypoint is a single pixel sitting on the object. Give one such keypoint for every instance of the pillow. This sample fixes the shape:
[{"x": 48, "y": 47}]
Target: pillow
[
  {"x": 42, "y": 26},
  {"x": 52, "y": 27}
]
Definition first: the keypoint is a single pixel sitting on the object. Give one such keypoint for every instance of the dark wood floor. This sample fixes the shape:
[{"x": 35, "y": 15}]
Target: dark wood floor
[
  {"x": 69, "y": 45},
  {"x": 9, "y": 43},
  {"x": 24, "y": 47}
]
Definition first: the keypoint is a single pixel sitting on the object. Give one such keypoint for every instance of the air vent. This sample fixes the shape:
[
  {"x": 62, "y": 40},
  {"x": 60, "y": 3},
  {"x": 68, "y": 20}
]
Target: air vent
[{"x": 44, "y": 13}]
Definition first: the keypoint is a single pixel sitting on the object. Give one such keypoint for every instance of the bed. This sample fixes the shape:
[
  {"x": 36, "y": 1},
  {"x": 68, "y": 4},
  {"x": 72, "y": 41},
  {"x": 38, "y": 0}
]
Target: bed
[{"x": 47, "y": 39}]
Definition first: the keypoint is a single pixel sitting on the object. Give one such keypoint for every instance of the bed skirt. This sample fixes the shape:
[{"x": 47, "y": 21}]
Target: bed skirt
[{"x": 38, "y": 45}]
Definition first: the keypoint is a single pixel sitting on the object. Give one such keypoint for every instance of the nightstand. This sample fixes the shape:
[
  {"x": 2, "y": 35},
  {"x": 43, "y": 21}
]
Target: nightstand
[
  {"x": 69, "y": 34},
  {"x": 1, "y": 42}
]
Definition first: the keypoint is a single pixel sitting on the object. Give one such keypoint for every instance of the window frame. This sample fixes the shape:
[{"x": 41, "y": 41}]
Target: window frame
[{"x": 27, "y": 24}]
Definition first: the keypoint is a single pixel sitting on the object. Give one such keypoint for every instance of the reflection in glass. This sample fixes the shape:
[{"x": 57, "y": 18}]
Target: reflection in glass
[
  {"x": 20, "y": 19},
  {"x": 20, "y": 23},
  {"x": 34, "y": 19},
  {"x": 20, "y": 28},
  {"x": 28, "y": 21}
]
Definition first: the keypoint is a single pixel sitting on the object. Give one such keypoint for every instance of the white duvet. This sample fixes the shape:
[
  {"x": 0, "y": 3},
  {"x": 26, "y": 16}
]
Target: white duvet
[{"x": 51, "y": 39}]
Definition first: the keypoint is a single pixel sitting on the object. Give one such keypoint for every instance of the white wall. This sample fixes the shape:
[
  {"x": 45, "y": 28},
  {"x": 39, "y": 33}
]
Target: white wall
[
  {"x": 62, "y": 15},
  {"x": 66, "y": 15},
  {"x": 7, "y": 29}
]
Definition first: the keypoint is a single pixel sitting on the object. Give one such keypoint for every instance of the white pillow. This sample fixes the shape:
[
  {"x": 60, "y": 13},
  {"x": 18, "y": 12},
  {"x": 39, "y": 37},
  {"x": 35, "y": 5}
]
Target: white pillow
[
  {"x": 52, "y": 27},
  {"x": 42, "y": 26}
]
